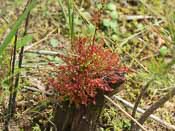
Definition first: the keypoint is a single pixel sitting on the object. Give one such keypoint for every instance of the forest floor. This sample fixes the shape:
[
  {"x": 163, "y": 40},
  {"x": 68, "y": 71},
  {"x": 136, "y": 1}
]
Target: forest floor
[{"x": 137, "y": 31}]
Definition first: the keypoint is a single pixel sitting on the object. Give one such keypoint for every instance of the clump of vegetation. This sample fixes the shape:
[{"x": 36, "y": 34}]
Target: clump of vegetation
[{"x": 89, "y": 68}]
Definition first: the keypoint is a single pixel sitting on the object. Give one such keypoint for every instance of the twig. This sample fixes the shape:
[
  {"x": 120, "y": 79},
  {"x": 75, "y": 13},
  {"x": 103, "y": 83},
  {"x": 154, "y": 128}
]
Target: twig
[
  {"x": 43, "y": 52},
  {"x": 13, "y": 59},
  {"x": 149, "y": 56},
  {"x": 37, "y": 90},
  {"x": 81, "y": 14},
  {"x": 142, "y": 92},
  {"x": 36, "y": 66},
  {"x": 38, "y": 42},
  {"x": 128, "y": 115},
  {"x": 137, "y": 17},
  {"x": 156, "y": 105},
  {"x": 46, "y": 52},
  {"x": 63, "y": 10},
  {"x": 157, "y": 119}
]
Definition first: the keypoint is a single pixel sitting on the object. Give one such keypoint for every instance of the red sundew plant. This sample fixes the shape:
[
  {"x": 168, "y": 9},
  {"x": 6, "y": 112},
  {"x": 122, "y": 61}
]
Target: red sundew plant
[{"x": 90, "y": 69}]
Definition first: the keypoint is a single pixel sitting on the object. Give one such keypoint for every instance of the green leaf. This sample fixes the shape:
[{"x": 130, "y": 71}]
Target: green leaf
[
  {"x": 15, "y": 28},
  {"x": 115, "y": 37},
  {"x": 24, "y": 41},
  {"x": 54, "y": 42},
  {"x": 111, "y": 6},
  {"x": 114, "y": 15},
  {"x": 50, "y": 58},
  {"x": 71, "y": 19},
  {"x": 163, "y": 50},
  {"x": 140, "y": 26},
  {"x": 99, "y": 6},
  {"x": 58, "y": 60},
  {"x": 91, "y": 28},
  {"x": 106, "y": 22},
  {"x": 113, "y": 25},
  {"x": 77, "y": 21}
]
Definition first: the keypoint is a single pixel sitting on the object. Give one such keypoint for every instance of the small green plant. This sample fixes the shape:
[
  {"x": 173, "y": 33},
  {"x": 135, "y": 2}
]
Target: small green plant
[
  {"x": 111, "y": 120},
  {"x": 111, "y": 22},
  {"x": 36, "y": 128}
]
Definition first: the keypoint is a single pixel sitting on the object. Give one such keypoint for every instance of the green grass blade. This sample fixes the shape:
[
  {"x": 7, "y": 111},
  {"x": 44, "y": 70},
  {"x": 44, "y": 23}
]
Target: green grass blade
[
  {"x": 63, "y": 10},
  {"x": 71, "y": 19},
  {"x": 15, "y": 28}
]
